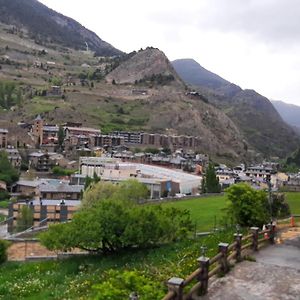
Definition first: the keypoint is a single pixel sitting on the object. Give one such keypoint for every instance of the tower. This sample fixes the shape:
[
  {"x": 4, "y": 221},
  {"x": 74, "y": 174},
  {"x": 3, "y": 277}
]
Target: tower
[{"x": 37, "y": 130}]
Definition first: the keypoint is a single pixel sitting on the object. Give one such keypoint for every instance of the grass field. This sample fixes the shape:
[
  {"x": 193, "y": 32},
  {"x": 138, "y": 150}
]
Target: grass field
[
  {"x": 293, "y": 200},
  {"x": 206, "y": 212}
]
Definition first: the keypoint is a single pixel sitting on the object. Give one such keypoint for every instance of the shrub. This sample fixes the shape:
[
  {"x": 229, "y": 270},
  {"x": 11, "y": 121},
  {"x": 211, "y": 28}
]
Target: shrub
[
  {"x": 247, "y": 206},
  {"x": 119, "y": 285},
  {"x": 3, "y": 251},
  {"x": 112, "y": 225}
]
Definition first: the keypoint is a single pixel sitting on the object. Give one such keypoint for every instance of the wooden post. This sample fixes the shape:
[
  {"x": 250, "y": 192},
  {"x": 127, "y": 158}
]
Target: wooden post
[
  {"x": 203, "y": 276},
  {"x": 254, "y": 231},
  {"x": 238, "y": 240},
  {"x": 271, "y": 227},
  {"x": 175, "y": 284},
  {"x": 223, "y": 248}
]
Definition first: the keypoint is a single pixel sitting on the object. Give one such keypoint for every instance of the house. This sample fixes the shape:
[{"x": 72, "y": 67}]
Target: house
[
  {"x": 60, "y": 191},
  {"x": 78, "y": 131},
  {"x": 29, "y": 188},
  {"x": 55, "y": 91},
  {"x": 40, "y": 161},
  {"x": 50, "y": 134},
  {"x": 14, "y": 157},
  {"x": 3, "y": 138}
]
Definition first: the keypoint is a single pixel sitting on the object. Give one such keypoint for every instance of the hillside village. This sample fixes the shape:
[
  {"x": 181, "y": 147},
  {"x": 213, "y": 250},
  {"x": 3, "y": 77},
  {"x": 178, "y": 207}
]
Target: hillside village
[
  {"x": 55, "y": 166},
  {"x": 130, "y": 176}
]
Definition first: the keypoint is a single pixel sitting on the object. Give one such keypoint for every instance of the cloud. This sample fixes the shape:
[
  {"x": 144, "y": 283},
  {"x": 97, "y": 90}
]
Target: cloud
[{"x": 272, "y": 21}]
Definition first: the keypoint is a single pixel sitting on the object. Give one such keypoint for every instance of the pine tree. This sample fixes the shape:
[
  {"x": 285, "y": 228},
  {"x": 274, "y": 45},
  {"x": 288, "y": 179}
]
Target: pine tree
[{"x": 211, "y": 181}]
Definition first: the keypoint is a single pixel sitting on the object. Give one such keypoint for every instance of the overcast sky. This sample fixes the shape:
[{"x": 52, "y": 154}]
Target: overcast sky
[{"x": 253, "y": 43}]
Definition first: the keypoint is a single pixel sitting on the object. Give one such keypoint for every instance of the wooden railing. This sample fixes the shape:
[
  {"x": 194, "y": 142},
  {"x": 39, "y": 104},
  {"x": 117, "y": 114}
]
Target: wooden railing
[{"x": 181, "y": 289}]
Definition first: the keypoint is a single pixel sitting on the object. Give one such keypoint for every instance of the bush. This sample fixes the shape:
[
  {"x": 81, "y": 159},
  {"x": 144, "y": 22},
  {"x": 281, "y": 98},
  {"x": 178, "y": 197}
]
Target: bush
[
  {"x": 3, "y": 251},
  {"x": 111, "y": 224},
  {"x": 247, "y": 206},
  {"x": 119, "y": 285},
  {"x": 59, "y": 171}
]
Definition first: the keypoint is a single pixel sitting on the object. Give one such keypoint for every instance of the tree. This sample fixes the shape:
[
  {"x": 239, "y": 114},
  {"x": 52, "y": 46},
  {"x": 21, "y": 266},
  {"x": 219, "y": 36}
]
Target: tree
[
  {"x": 97, "y": 192},
  {"x": 10, "y": 95},
  {"x": 25, "y": 218},
  {"x": 247, "y": 206},
  {"x": 129, "y": 190},
  {"x": 8, "y": 173},
  {"x": 112, "y": 225},
  {"x": 61, "y": 136},
  {"x": 211, "y": 181}
]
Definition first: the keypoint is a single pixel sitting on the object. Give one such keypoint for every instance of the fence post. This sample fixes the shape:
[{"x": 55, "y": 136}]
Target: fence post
[
  {"x": 203, "y": 276},
  {"x": 292, "y": 221},
  {"x": 238, "y": 240},
  {"x": 223, "y": 248},
  {"x": 175, "y": 284},
  {"x": 254, "y": 231},
  {"x": 271, "y": 227}
]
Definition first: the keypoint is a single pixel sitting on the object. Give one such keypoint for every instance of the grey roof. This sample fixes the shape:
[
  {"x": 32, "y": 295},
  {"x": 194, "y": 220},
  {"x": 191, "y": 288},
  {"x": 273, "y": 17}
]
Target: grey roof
[
  {"x": 61, "y": 188},
  {"x": 3, "y": 130},
  {"x": 50, "y": 128},
  {"x": 30, "y": 183},
  {"x": 36, "y": 154}
]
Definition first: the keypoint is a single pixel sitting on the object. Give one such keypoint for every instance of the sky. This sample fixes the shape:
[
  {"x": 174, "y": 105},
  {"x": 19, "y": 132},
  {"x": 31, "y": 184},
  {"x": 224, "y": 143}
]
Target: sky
[{"x": 252, "y": 43}]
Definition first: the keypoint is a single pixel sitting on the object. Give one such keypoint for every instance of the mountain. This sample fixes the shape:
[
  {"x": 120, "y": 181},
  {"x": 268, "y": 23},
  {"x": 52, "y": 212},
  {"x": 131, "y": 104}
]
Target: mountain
[
  {"x": 193, "y": 73},
  {"x": 149, "y": 64},
  {"x": 253, "y": 114},
  {"x": 290, "y": 113},
  {"x": 46, "y": 27}
]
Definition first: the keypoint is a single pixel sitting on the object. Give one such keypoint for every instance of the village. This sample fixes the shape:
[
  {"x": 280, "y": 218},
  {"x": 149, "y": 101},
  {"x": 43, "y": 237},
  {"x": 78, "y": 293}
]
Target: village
[{"x": 55, "y": 167}]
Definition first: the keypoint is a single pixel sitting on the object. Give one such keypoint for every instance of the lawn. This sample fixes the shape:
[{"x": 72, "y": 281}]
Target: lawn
[
  {"x": 293, "y": 199},
  {"x": 206, "y": 212},
  {"x": 106, "y": 277}
]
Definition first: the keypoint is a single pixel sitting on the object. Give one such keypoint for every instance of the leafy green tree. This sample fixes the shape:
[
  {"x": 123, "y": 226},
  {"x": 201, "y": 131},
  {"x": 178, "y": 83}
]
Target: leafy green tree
[
  {"x": 247, "y": 206},
  {"x": 112, "y": 225},
  {"x": 25, "y": 218},
  {"x": 100, "y": 191},
  {"x": 10, "y": 94},
  {"x": 131, "y": 190},
  {"x": 280, "y": 208},
  {"x": 211, "y": 181},
  {"x": 7, "y": 172}
]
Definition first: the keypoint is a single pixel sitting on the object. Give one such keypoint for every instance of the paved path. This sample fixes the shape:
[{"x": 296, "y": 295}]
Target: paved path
[{"x": 274, "y": 276}]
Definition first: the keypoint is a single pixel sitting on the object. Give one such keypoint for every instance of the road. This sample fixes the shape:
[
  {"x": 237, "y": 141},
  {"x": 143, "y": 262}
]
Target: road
[{"x": 275, "y": 275}]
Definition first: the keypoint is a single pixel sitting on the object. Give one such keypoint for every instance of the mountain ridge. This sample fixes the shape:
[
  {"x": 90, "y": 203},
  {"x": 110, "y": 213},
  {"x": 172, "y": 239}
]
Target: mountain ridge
[
  {"x": 47, "y": 26},
  {"x": 254, "y": 114}
]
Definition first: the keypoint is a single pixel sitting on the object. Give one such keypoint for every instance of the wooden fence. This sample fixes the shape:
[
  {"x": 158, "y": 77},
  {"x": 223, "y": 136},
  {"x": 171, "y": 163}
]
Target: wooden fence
[{"x": 196, "y": 284}]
